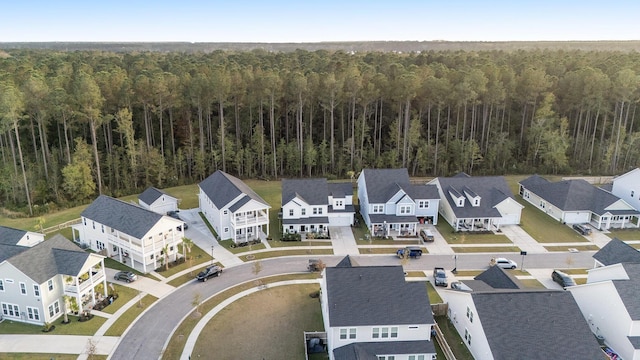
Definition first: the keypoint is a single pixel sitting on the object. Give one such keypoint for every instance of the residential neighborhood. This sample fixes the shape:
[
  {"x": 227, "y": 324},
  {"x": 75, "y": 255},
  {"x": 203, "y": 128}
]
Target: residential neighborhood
[{"x": 373, "y": 304}]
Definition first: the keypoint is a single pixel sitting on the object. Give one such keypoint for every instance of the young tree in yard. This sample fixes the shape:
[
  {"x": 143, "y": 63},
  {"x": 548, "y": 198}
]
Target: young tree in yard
[
  {"x": 196, "y": 301},
  {"x": 257, "y": 268},
  {"x": 186, "y": 249},
  {"x": 11, "y": 108},
  {"x": 165, "y": 259}
]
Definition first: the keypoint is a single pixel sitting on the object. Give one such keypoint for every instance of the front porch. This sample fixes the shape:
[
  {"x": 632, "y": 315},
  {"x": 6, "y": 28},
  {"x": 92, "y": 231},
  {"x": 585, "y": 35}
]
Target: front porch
[
  {"x": 251, "y": 233},
  {"x": 608, "y": 221},
  {"x": 85, "y": 289},
  {"x": 477, "y": 224}
]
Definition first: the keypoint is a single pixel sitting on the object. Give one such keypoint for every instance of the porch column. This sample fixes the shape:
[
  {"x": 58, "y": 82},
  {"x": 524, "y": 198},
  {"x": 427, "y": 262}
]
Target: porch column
[
  {"x": 104, "y": 278},
  {"x": 267, "y": 222}
]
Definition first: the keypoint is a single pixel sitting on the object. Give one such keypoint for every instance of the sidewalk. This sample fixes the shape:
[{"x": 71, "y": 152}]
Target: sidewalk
[{"x": 56, "y": 344}]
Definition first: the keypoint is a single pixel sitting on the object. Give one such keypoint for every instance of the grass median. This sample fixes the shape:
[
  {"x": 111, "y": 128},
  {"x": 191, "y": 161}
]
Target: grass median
[
  {"x": 119, "y": 326},
  {"x": 486, "y": 249}
]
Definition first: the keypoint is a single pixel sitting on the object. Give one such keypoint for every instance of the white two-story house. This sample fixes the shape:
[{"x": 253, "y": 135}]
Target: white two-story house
[
  {"x": 11, "y": 236},
  {"x": 373, "y": 311},
  {"x": 157, "y": 201},
  {"x": 233, "y": 209},
  {"x": 627, "y": 187},
  {"x": 390, "y": 205},
  {"x": 610, "y": 303},
  {"x": 477, "y": 203},
  {"x": 38, "y": 283},
  {"x": 311, "y": 205},
  {"x": 132, "y": 235}
]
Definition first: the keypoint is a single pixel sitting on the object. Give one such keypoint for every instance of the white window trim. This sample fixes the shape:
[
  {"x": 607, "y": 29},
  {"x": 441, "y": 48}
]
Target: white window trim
[
  {"x": 23, "y": 288},
  {"x": 50, "y": 285},
  {"x": 1, "y": 285},
  {"x": 36, "y": 290},
  {"x": 34, "y": 315}
]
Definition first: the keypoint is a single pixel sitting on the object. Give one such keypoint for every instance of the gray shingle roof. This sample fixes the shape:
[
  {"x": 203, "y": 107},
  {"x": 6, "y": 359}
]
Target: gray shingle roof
[
  {"x": 391, "y": 219},
  {"x": 629, "y": 290},
  {"x": 382, "y": 184},
  {"x": 635, "y": 341},
  {"x": 151, "y": 194},
  {"x": 370, "y": 350},
  {"x": 347, "y": 261},
  {"x": 340, "y": 189},
  {"x": 498, "y": 278},
  {"x": 491, "y": 189},
  {"x": 9, "y": 251},
  {"x": 309, "y": 220},
  {"x": 49, "y": 258},
  {"x": 122, "y": 216},
  {"x": 575, "y": 195},
  {"x": 375, "y": 295},
  {"x": 222, "y": 188},
  {"x": 533, "y": 180},
  {"x": 617, "y": 251},
  {"x": 535, "y": 325},
  {"x": 10, "y": 236},
  {"x": 312, "y": 191}
]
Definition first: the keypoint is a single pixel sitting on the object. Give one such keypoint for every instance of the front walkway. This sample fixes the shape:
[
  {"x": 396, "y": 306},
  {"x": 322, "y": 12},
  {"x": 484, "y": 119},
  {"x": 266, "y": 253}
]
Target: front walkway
[
  {"x": 56, "y": 344},
  {"x": 522, "y": 239}
]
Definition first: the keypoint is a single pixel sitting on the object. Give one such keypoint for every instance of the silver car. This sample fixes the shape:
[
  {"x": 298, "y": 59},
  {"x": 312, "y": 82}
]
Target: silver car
[{"x": 505, "y": 263}]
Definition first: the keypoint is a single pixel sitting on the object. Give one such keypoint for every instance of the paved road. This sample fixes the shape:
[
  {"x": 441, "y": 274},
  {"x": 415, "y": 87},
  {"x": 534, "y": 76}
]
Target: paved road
[{"x": 146, "y": 338}]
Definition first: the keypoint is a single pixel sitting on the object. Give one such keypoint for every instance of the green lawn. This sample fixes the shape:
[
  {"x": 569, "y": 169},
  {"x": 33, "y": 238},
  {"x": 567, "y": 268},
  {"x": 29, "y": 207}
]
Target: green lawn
[
  {"x": 198, "y": 256},
  {"x": 123, "y": 322},
  {"x": 434, "y": 297},
  {"x": 271, "y": 192},
  {"x": 532, "y": 283},
  {"x": 74, "y": 327},
  {"x": 453, "y": 338},
  {"x": 625, "y": 234},
  {"x": 485, "y": 249},
  {"x": 278, "y": 243},
  {"x": 277, "y": 253},
  {"x": 124, "y": 295},
  {"x": 415, "y": 274},
  {"x": 176, "y": 343},
  {"x": 470, "y": 272},
  {"x": 457, "y": 238},
  {"x": 574, "y": 271}
]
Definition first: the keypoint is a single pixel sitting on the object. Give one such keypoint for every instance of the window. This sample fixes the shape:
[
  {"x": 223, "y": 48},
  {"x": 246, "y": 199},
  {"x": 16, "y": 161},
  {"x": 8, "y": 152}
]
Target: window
[
  {"x": 10, "y": 310},
  {"x": 343, "y": 334},
  {"x": 225, "y": 212},
  {"x": 303, "y": 211},
  {"x": 352, "y": 333},
  {"x": 632, "y": 193},
  {"x": 460, "y": 202},
  {"x": 226, "y": 230},
  {"x": 423, "y": 204},
  {"x": 290, "y": 212},
  {"x": 377, "y": 209},
  {"x": 23, "y": 288},
  {"x": 386, "y": 357},
  {"x": 467, "y": 336},
  {"x": 1, "y": 285},
  {"x": 376, "y": 333},
  {"x": 94, "y": 225},
  {"x": 339, "y": 203},
  {"x": 385, "y": 332},
  {"x": 405, "y": 209},
  {"x": 469, "y": 314},
  {"x": 36, "y": 290},
  {"x": 33, "y": 314},
  {"x": 412, "y": 357},
  {"x": 394, "y": 332},
  {"x": 54, "y": 309},
  {"x": 476, "y": 202},
  {"x": 99, "y": 245},
  {"x": 85, "y": 222},
  {"x": 543, "y": 204},
  {"x": 50, "y": 285},
  {"x": 102, "y": 229}
]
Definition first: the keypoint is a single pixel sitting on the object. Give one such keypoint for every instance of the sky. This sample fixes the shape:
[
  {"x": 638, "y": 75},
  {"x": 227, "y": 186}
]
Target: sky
[{"x": 276, "y": 21}]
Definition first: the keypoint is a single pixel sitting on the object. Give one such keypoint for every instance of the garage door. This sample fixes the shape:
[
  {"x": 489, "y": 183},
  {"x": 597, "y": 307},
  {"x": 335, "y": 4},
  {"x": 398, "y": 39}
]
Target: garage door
[
  {"x": 576, "y": 217},
  {"x": 341, "y": 220},
  {"x": 510, "y": 219}
]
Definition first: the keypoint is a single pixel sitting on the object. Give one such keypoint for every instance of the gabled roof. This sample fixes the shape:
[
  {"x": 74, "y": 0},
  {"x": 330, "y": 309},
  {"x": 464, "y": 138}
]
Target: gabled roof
[
  {"x": 492, "y": 190},
  {"x": 533, "y": 180},
  {"x": 576, "y": 195},
  {"x": 151, "y": 194},
  {"x": 347, "y": 261},
  {"x": 10, "y": 236},
  {"x": 312, "y": 191},
  {"x": 629, "y": 290},
  {"x": 617, "y": 251},
  {"x": 222, "y": 188},
  {"x": 9, "y": 251},
  {"x": 49, "y": 258},
  {"x": 341, "y": 189},
  {"x": 375, "y": 295},
  {"x": 498, "y": 278},
  {"x": 122, "y": 216},
  {"x": 382, "y": 184},
  {"x": 370, "y": 350},
  {"x": 534, "y": 325}
]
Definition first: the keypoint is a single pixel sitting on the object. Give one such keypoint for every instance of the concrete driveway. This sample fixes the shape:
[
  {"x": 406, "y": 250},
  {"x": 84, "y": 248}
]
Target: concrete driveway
[
  {"x": 143, "y": 284},
  {"x": 522, "y": 239},
  {"x": 343, "y": 241}
]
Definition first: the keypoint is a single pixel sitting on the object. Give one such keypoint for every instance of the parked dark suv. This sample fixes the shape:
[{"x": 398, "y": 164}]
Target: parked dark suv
[
  {"x": 174, "y": 214},
  {"x": 209, "y": 272},
  {"x": 582, "y": 229},
  {"x": 127, "y": 276},
  {"x": 411, "y": 251},
  {"x": 562, "y": 279}
]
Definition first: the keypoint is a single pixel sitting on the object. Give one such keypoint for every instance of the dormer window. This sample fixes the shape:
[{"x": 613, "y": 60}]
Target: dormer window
[
  {"x": 476, "y": 202},
  {"x": 461, "y": 202},
  {"x": 632, "y": 193}
]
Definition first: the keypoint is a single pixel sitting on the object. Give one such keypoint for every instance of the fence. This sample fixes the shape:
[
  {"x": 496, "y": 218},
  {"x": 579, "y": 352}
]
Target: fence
[
  {"x": 439, "y": 309},
  {"x": 448, "y": 354},
  {"x": 64, "y": 225}
]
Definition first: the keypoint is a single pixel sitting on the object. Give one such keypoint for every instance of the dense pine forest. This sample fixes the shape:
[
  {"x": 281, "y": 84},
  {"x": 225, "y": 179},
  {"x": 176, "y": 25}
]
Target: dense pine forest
[{"x": 76, "y": 124}]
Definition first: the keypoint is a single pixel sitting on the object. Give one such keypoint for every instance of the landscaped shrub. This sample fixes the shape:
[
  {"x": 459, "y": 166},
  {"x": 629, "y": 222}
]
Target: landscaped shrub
[{"x": 291, "y": 237}]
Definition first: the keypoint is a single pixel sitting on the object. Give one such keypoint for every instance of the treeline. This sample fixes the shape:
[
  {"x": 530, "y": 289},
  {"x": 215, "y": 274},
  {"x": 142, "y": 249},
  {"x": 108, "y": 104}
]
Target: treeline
[{"x": 75, "y": 124}]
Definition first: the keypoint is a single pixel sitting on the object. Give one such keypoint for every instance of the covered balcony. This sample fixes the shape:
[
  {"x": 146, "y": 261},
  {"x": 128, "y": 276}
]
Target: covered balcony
[{"x": 250, "y": 218}]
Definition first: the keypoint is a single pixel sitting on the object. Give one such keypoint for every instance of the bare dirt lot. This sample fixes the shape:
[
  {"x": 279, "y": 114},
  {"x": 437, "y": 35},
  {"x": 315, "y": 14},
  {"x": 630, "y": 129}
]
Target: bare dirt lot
[{"x": 265, "y": 325}]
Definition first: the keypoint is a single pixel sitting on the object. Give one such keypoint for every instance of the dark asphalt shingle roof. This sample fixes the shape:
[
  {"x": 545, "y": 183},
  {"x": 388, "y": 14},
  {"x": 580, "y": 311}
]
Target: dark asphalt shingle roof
[
  {"x": 617, "y": 251},
  {"x": 533, "y": 180},
  {"x": 9, "y": 251},
  {"x": 341, "y": 189},
  {"x": 122, "y": 216},
  {"x": 347, "y": 261},
  {"x": 635, "y": 341},
  {"x": 382, "y": 184},
  {"x": 309, "y": 220},
  {"x": 312, "y": 191},
  {"x": 10, "y": 236},
  {"x": 498, "y": 278},
  {"x": 375, "y": 295},
  {"x": 49, "y": 258},
  {"x": 535, "y": 325},
  {"x": 492, "y": 190},
  {"x": 222, "y": 188},
  {"x": 392, "y": 219},
  {"x": 576, "y": 195},
  {"x": 151, "y": 194},
  {"x": 629, "y": 290},
  {"x": 370, "y": 350}
]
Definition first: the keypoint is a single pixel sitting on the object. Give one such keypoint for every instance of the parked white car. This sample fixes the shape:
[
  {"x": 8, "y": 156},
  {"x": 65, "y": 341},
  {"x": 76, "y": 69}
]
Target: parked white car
[{"x": 504, "y": 263}]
